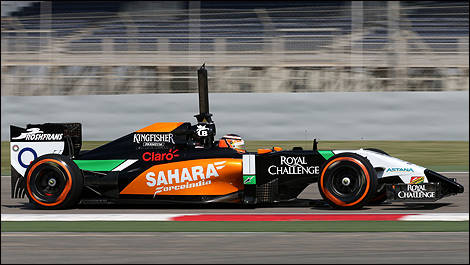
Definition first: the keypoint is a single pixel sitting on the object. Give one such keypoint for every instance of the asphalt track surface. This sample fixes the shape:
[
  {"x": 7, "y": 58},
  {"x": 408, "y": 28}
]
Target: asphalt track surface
[
  {"x": 226, "y": 247},
  {"x": 310, "y": 202},
  {"x": 242, "y": 248}
]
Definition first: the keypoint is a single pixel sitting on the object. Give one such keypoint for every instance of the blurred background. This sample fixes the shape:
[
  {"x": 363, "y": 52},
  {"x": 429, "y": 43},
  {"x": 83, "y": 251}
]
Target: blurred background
[
  {"x": 119, "y": 47},
  {"x": 392, "y": 75},
  {"x": 278, "y": 70}
]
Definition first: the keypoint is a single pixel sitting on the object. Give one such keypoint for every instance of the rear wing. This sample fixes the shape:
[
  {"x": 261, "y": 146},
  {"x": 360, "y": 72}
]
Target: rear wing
[{"x": 27, "y": 144}]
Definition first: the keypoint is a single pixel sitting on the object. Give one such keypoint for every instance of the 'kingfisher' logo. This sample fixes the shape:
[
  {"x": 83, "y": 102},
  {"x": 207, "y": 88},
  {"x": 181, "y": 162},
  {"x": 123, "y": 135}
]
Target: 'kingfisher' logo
[{"x": 153, "y": 138}]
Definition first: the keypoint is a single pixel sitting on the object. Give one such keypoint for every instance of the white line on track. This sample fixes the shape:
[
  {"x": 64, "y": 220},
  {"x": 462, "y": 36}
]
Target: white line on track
[
  {"x": 436, "y": 217},
  {"x": 88, "y": 217},
  {"x": 169, "y": 217}
]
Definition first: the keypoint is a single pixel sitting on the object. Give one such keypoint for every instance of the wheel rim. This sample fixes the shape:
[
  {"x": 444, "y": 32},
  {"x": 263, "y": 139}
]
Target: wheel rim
[
  {"x": 346, "y": 182},
  {"x": 48, "y": 182}
]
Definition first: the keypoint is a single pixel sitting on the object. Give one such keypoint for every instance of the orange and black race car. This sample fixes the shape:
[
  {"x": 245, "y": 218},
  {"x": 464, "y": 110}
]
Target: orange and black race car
[{"x": 180, "y": 162}]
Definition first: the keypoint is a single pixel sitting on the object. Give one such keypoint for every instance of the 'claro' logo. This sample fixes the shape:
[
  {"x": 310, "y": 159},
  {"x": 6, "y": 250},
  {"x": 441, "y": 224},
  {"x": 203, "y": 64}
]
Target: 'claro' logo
[
  {"x": 218, "y": 176},
  {"x": 152, "y": 156}
]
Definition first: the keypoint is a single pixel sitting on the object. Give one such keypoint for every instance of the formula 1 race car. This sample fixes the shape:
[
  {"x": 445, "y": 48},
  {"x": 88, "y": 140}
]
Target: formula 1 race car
[{"x": 179, "y": 162}]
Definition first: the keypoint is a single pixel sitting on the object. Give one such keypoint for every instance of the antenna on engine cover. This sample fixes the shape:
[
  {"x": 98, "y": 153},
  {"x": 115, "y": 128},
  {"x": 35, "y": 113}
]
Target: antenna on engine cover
[
  {"x": 315, "y": 144},
  {"x": 204, "y": 131},
  {"x": 204, "y": 115}
]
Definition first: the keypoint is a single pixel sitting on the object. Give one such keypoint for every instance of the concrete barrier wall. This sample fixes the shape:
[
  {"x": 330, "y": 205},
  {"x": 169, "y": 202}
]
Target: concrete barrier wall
[{"x": 257, "y": 116}]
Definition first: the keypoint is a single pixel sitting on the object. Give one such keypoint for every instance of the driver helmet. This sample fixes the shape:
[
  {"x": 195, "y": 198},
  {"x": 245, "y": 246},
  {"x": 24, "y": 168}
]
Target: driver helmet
[{"x": 233, "y": 141}]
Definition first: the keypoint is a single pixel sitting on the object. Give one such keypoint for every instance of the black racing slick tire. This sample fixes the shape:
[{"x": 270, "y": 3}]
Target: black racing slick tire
[
  {"x": 347, "y": 181},
  {"x": 53, "y": 182}
]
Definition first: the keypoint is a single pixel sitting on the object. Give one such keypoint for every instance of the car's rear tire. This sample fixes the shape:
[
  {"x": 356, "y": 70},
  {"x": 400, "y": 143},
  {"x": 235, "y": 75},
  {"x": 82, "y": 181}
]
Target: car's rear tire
[
  {"x": 53, "y": 182},
  {"x": 347, "y": 181}
]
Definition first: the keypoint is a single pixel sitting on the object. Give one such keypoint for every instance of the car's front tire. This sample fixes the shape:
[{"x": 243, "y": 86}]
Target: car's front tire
[
  {"x": 347, "y": 181},
  {"x": 53, "y": 182}
]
